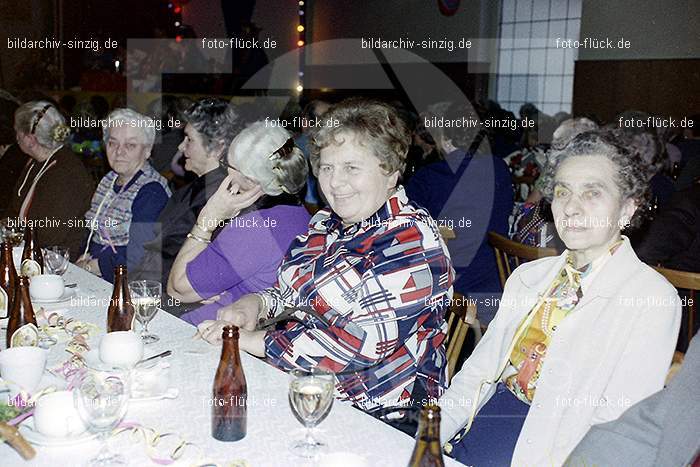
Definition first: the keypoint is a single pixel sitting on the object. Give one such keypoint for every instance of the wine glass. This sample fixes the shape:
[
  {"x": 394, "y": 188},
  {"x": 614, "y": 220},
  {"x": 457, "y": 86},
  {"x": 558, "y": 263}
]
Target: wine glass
[
  {"x": 145, "y": 297},
  {"x": 101, "y": 399},
  {"x": 56, "y": 259},
  {"x": 311, "y": 398}
]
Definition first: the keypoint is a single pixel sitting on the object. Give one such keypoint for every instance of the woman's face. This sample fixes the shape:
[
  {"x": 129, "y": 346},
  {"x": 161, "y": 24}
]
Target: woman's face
[
  {"x": 352, "y": 180},
  {"x": 126, "y": 151},
  {"x": 197, "y": 159},
  {"x": 588, "y": 209}
]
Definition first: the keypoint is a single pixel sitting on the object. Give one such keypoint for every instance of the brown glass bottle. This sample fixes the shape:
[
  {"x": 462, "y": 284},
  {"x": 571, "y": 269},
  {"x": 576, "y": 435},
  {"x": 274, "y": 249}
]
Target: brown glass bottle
[
  {"x": 32, "y": 257},
  {"x": 428, "y": 452},
  {"x": 22, "y": 312},
  {"x": 229, "y": 412},
  {"x": 120, "y": 314},
  {"x": 8, "y": 279}
]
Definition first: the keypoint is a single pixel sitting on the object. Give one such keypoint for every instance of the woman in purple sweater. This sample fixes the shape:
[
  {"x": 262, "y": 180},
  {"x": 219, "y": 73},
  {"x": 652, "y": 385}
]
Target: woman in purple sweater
[{"x": 245, "y": 228}]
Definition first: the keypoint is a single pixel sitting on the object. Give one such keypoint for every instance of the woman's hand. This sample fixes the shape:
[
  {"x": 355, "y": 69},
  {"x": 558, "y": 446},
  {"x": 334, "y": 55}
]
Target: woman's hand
[
  {"x": 89, "y": 263},
  {"x": 243, "y": 313},
  {"x": 251, "y": 342},
  {"x": 211, "y": 331},
  {"x": 226, "y": 203}
]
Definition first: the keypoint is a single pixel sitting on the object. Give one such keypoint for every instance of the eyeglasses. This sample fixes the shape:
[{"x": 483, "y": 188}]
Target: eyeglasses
[{"x": 281, "y": 153}]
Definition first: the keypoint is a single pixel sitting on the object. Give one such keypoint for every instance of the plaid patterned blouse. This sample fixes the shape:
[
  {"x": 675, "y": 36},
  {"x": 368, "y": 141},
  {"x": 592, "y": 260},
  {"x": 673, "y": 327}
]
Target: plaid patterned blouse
[{"x": 382, "y": 287}]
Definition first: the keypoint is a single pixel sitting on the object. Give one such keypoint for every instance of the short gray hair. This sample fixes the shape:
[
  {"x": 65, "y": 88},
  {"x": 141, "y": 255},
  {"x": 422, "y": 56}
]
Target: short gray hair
[
  {"x": 117, "y": 117},
  {"x": 254, "y": 153},
  {"x": 45, "y": 119},
  {"x": 215, "y": 120},
  {"x": 631, "y": 178}
]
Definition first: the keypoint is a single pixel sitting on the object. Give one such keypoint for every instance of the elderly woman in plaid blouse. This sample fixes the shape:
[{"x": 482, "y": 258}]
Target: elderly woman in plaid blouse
[{"x": 369, "y": 281}]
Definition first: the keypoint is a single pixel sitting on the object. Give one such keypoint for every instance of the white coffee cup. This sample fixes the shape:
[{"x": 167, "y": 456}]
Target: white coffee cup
[
  {"x": 46, "y": 287},
  {"x": 55, "y": 416},
  {"x": 121, "y": 348},
  {"x": 22, "y": 368}
]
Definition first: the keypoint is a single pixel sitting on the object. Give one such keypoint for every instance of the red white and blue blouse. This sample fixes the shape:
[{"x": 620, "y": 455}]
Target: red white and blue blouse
[{"x": 382, "y": 286}]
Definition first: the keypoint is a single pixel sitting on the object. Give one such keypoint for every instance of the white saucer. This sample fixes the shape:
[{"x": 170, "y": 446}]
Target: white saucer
[
  {"x": 68, "y": 293},
  {"x": 36, "y": 438}
]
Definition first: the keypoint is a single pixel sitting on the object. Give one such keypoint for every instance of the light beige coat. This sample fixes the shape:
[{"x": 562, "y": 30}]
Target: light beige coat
[{"x": 613, "y": 350}]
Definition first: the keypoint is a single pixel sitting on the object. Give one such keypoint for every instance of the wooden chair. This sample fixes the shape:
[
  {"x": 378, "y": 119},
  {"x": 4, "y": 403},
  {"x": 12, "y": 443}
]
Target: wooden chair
[
  {"x": 689, "y": 281},
  {"x": 460, "y": 317},
  {"x": 511, "y": 254},
  {"x": 675, "y": 366}
]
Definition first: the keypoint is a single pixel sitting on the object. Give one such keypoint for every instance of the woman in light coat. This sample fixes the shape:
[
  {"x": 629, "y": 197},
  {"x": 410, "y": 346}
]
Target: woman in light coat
[{"x": 578, "y": 338}]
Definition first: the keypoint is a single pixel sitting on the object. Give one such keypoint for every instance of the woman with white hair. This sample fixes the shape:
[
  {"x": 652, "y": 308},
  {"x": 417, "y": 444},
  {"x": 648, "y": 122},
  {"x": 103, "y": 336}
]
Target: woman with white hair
[
  {"x": 259, "y": 207},
  {"x": 54, "y": 187},
  {"x": 128, "y": 199}
]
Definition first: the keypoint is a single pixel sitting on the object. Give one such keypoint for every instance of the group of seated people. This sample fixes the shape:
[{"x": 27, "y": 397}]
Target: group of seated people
[{"x": 577, "y": 340}]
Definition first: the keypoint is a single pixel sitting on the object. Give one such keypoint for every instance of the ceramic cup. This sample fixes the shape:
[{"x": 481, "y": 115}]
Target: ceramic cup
[
  {"x": 55, "y": 416},
  {"x": 46, "y": 287},
  {"x": 22, "y": 368},
  {"x": 121, "y": 348}
]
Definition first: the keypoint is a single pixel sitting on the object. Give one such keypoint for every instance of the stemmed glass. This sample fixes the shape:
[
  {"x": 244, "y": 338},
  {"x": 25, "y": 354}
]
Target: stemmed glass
[
  {"x": 101, "y": 399},
  {"x": 56, "y": 259},
  {"x": 311, "y": 398},
  {"x": 145, "y": 297}
]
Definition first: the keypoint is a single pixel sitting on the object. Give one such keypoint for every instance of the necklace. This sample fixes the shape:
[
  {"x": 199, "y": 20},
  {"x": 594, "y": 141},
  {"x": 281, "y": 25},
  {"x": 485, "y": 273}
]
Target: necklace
[{"x": 41, "y": 172}]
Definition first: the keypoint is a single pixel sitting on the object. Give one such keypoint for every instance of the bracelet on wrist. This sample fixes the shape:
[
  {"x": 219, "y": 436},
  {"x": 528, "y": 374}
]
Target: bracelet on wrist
[{"x": 199, "y": 239}]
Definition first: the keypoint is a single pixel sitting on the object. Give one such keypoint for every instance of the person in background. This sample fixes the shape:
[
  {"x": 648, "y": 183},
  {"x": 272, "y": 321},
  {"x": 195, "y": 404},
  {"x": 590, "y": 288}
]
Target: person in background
[
  {"x": 577, "y": 338},
  {"x": 313, "y": 200},
  {"x": 12, "y": 159},
  {"x": 127, "y": 200},
  {"x": 54, "y": 185},
  {"x": 673, "y": 238},
  {"x": 661, "y": 430},
  {"x": 690, "y": 156},
  {"x": 367, "y": 286},
  {"x": 471, "y": 192},
  {"x": 423, "y": 151},
  {"x": 209, "y": 128},
  {"x": 258, "y": 201}
]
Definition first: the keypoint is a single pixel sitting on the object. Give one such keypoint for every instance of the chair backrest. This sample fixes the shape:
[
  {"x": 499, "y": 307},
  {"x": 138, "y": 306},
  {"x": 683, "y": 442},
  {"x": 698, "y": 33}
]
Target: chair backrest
[
  {"x": 460, "y": 316},
  {"x": 511, "y": 254},
  {"x": 684, "y": 280}
]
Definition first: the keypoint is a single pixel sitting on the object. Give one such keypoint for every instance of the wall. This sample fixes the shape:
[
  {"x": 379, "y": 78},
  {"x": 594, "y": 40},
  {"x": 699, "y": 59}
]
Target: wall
[{"x": 656, "y": 29}]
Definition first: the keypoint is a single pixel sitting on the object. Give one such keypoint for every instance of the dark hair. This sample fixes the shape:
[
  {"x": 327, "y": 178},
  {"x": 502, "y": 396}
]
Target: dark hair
[{"x": 215, "y": 120}]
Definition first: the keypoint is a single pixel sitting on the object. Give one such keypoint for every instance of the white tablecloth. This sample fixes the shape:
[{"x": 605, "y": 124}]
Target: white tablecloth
[{"x": 271, "y": 425}]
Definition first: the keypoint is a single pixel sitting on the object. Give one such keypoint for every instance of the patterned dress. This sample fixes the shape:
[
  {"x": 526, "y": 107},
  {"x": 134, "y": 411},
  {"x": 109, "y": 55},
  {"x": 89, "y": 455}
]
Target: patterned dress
[{"x": 382, "y": 287}]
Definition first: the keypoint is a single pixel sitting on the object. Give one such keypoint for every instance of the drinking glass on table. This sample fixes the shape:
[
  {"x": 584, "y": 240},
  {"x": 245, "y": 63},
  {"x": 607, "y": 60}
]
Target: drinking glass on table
[
  {"x": 311, "y": 398},
  {"x": 145, "y": 297},
  {"x": 56, "y": 259},
  {"x": 101, "y": 399}
]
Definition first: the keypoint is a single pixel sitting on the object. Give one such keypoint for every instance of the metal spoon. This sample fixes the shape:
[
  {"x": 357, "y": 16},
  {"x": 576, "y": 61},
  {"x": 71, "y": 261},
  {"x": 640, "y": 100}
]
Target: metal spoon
[{"x": 155, "y": 357}]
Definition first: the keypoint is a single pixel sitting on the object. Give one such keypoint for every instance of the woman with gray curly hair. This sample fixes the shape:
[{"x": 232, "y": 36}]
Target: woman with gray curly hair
[
  {"x": 54, "y": 188},
  {"x": 365, "y": 288},
  {"x": 578, "y": 338},
  {"x": 256, "y": 212},
  {"x": 128, "y": 200}
]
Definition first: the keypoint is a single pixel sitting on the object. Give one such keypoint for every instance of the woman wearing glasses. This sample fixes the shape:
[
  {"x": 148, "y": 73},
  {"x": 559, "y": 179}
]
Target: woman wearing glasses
[
  {"x": 128, "y": 199},
  {"x": 54, "y": 186},
  {"x": 256, "y": 213}
]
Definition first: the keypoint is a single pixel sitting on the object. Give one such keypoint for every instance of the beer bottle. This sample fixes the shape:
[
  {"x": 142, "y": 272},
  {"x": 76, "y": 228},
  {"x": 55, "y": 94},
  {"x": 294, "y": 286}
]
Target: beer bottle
[
  {"x": 230, "y": 394},
  {"x": 21, "y": 327},
  {"x": 8, "y": 279},
  {"x": 32, "y": 257},
  {"x": 428, "y": 452},
  {"x": 120, "y": 314}
]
